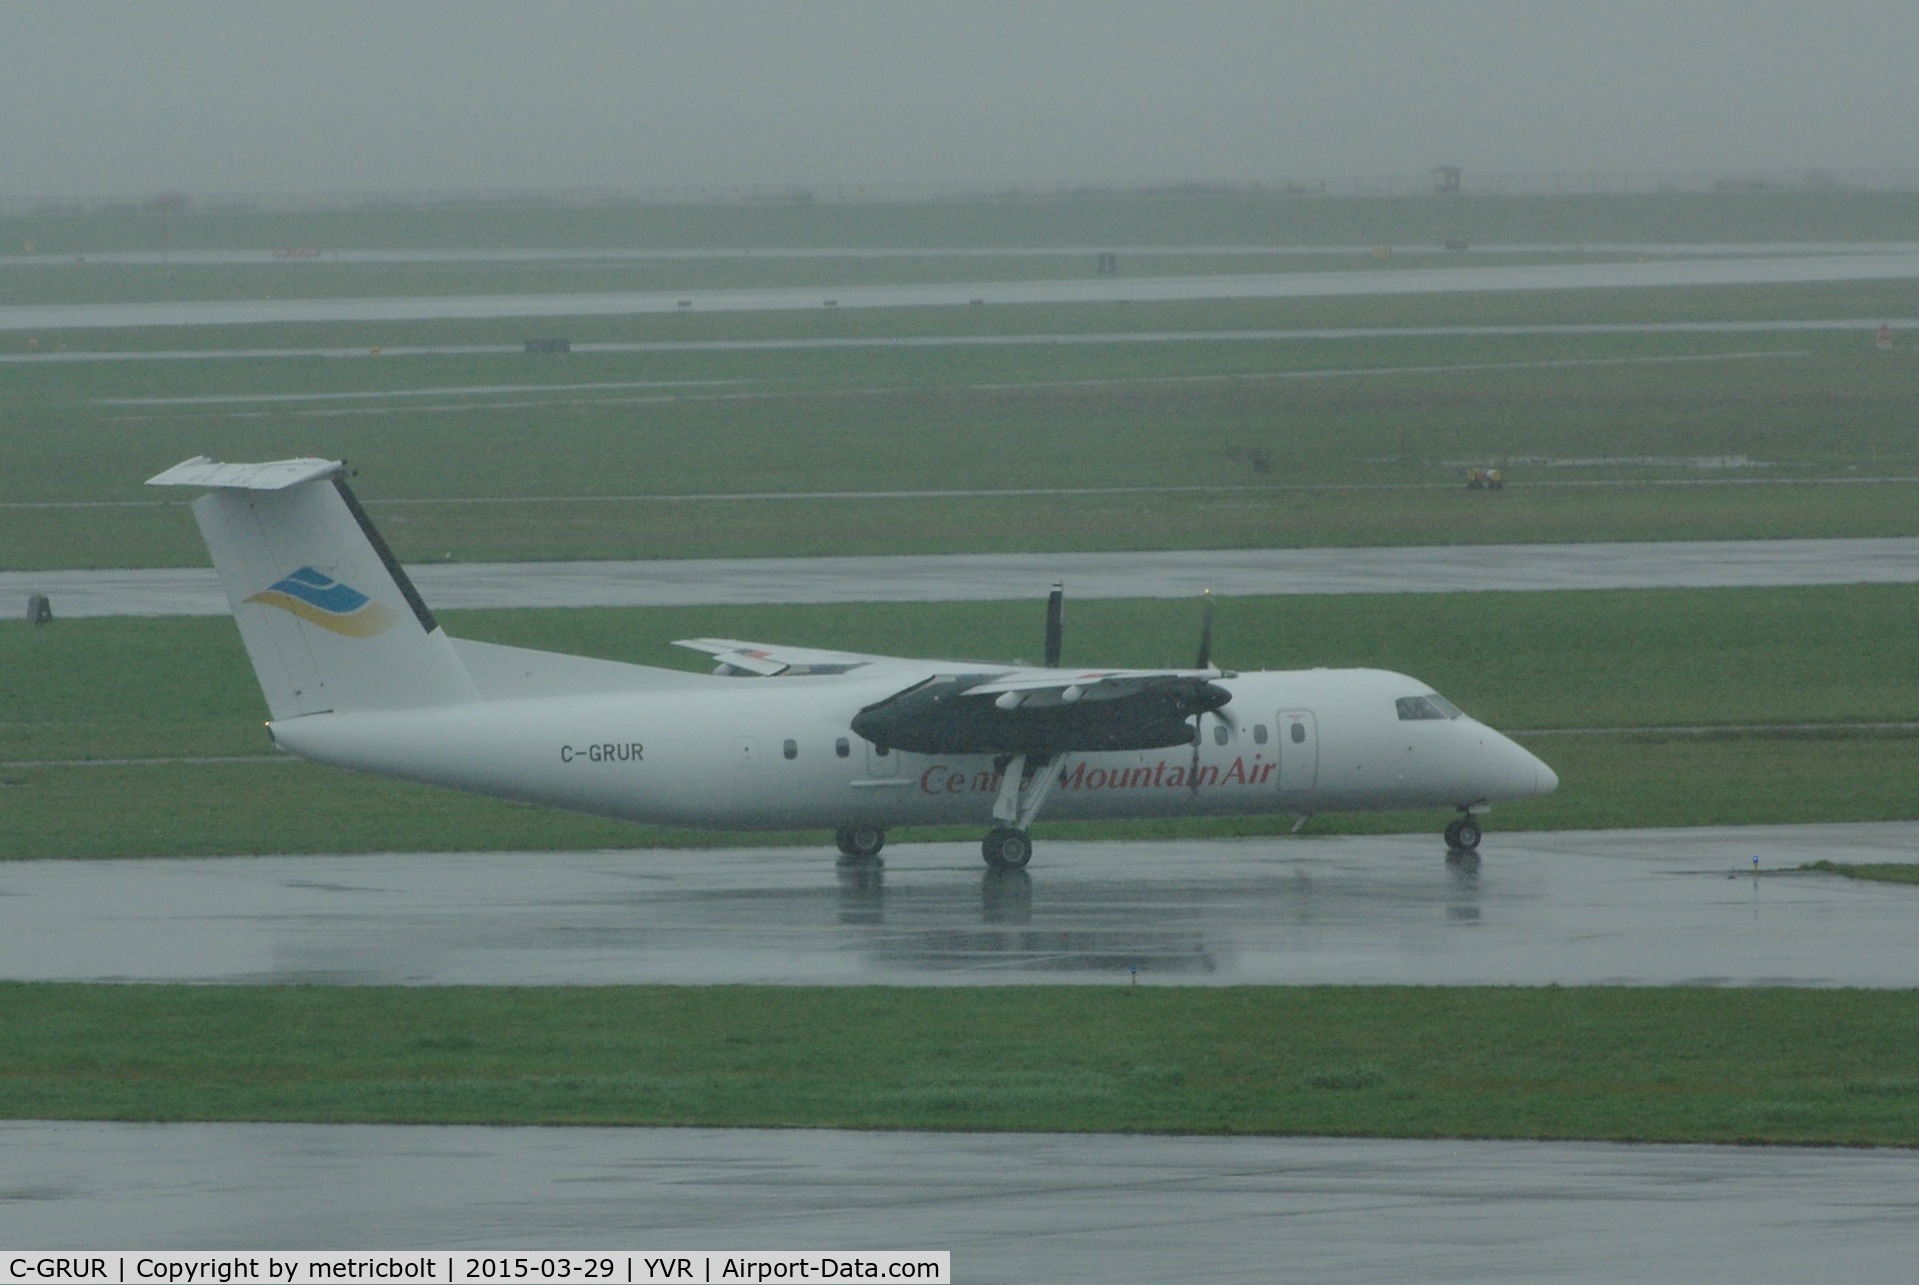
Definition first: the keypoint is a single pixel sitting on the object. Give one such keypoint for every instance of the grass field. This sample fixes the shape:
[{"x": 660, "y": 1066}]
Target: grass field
[
  {"x": 1305, "y": 439},
  {"x": 1669, "y": 1065},
  {"x": 1878, "y": 872},
  {"x": 1597, "y": 437},
  {"x": 1608, "y": 687}
]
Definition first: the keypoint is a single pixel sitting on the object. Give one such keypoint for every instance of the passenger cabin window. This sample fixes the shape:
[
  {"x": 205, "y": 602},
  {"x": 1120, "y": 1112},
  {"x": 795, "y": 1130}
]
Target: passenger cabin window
[
  {"x": 1220, "y": 734},
  {"x": 1259, "y": 733},
  {"x": 1299, "y": 733},
  {"x": 841, "y": 748},
  {"x": 1429, "y": 706},
  {"x": 791, "y": 749}
]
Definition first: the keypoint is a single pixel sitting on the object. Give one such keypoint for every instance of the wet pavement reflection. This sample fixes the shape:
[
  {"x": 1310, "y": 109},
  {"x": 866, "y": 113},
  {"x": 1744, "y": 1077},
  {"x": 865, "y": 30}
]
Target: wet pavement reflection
[
  {"x": 1629, "y": 907},
  {"x": 1029, "y": 1207}
]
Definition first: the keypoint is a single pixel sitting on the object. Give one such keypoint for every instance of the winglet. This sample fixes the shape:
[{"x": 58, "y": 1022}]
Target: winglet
[{"x": 275, "y": 475}]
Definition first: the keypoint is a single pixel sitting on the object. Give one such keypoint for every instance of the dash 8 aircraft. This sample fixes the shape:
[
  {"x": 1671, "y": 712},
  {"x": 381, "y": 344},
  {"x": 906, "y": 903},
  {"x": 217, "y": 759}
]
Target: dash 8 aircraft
[{"x": 357, "y": 673}]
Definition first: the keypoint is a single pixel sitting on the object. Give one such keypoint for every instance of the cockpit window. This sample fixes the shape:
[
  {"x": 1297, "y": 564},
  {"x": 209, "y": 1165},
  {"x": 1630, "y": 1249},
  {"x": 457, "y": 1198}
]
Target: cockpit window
[{"x": 1431, "y": 705}]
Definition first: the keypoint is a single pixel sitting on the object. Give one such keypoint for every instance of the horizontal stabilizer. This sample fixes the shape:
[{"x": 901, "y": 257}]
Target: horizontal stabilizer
[{"x": 275, "y": 475}]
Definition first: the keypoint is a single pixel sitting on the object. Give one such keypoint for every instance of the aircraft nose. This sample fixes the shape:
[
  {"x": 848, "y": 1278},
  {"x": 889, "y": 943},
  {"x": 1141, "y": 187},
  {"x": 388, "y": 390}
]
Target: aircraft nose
[{"x": 1521, "y": 773}]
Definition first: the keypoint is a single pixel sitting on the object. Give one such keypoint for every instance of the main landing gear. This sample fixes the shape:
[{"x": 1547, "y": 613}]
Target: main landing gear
[
  {"x": 1463, "y": 835},
  {"x": 1007, "y": 849},
  {"x": 860, "y": 842},
  {"x": 1025, "y": 783}
]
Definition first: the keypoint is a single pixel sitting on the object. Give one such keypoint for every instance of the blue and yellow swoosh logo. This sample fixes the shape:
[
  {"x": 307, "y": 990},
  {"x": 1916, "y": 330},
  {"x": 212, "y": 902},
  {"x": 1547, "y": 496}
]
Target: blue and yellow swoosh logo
[{"x": 319, "y": 599}]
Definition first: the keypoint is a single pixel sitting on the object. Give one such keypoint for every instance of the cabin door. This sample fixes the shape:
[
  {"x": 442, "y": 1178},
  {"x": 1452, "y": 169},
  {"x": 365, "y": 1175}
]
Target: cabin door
[
  {"x": 882, "y": 762},
  {"x": 1298, "y": 751}
]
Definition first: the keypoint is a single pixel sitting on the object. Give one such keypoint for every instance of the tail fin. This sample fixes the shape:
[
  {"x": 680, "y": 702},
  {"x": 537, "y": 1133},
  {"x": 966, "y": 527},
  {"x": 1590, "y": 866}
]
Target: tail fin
[{"x": 329, "y": 619}]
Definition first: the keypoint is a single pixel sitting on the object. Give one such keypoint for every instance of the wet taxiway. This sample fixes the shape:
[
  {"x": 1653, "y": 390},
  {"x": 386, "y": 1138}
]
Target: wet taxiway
[
  {"x": 673, "y": 254},
  {"x": 1009, "y": 1207},
  {"x": 1798, "y": 325},
  {"x": 1893, "y": 265},
  {"x": 1645, "y": 907},
  {"x": 195, "y": 591}
]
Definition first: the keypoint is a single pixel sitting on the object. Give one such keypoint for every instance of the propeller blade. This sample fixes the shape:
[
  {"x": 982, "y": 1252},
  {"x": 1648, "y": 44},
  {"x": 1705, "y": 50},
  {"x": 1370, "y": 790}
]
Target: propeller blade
[
  {"x": 1205, "y": 660},
  {"x": 1055, "y": 615},
  {"x": 1192, "y": 769}
]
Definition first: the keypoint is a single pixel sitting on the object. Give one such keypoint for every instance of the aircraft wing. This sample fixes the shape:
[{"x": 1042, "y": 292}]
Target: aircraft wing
[
  {"x": 770, "y": 659},
  {"x": 1059, "y": 686},
  {"x": 952, "y": 707},
  {"x": 1048, "y": 711}
]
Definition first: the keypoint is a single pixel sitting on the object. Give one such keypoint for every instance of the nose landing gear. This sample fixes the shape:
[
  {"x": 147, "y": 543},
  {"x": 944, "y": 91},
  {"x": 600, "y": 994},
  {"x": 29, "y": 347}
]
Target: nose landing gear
[{"x": 1463, "y": 835}]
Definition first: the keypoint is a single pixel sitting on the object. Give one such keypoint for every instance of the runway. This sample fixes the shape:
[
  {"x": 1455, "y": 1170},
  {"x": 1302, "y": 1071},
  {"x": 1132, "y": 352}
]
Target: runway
[
  {"x": 1862, "y": 326},
  {"x": 1891, "y": 265},
  {"x": 188, "y": 258},
  {"x": 1625, "y": 907},
  {"x": 1010, "y": 1208},
  {"x": 998, "y": 577}
]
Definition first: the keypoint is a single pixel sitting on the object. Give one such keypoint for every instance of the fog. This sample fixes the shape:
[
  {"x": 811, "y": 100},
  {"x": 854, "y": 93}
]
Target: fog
[{"x": 210, "y": 96}]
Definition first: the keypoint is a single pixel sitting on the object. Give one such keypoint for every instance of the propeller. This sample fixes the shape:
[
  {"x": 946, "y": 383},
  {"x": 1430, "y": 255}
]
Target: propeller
[
  {"x": 1205, "y": 661},
  {"x": 1055, "y": 614}
]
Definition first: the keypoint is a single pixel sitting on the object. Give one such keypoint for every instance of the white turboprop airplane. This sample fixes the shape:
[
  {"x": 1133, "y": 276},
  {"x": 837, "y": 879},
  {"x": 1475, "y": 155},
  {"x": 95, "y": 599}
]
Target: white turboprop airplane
[{"x": 357, "y": 673}]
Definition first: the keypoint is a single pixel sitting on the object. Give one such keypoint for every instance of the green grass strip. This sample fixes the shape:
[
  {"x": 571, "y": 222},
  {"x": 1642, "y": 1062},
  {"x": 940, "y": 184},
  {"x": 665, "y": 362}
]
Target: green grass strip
[
  {"x": 1669, "y": 1065},
  {"x": 1880, "y": 872}
]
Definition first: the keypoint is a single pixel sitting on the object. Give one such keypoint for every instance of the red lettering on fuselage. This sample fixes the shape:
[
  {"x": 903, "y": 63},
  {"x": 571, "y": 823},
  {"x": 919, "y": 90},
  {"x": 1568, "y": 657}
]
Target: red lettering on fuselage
[{"x": 940, "y": 778}]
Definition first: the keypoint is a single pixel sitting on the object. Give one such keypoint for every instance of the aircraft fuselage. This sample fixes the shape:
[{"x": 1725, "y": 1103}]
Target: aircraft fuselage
[{"x": 779, "y": 753}]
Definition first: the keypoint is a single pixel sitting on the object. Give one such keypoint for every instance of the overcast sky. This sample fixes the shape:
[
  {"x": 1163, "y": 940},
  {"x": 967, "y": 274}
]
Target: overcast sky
[{"x": 210, "y": 96}]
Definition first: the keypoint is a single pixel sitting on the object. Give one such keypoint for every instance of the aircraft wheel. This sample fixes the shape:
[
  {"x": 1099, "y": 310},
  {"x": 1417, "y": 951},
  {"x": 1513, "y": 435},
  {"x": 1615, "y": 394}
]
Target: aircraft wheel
[
  {"x": 1007, "y": 849},
  {"x": 1463, "y": 835},
  {"x": 863, "y": 842}
]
